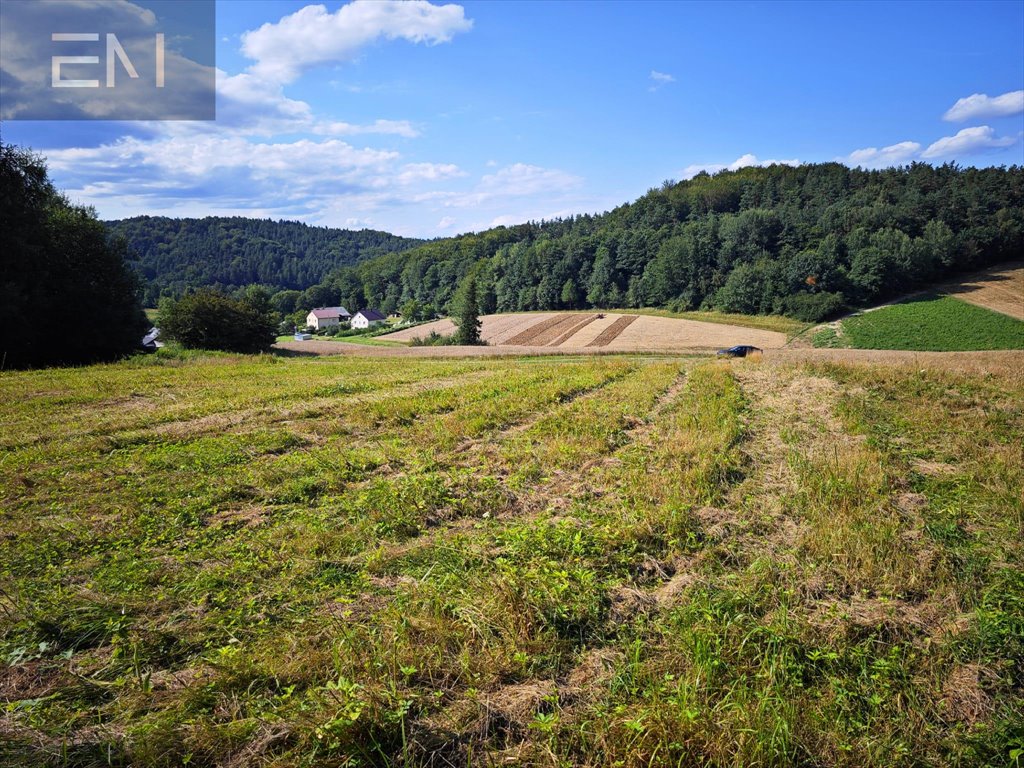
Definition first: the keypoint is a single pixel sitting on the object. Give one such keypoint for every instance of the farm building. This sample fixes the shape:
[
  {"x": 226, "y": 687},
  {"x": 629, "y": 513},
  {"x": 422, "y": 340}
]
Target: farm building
[
  {"x": 324, "y": 317},
  {"x": 367, "y": 318}
]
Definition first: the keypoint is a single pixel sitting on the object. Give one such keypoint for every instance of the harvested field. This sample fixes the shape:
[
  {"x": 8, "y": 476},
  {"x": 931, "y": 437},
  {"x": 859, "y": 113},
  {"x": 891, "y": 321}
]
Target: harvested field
[
  {"x": 1000, "y": 289},
  {"x": 584, "y": 561},
  {"x": 613, "y": 332},
  {"x": 575, "y": 328},
  {"x": 542, "y": 333}
]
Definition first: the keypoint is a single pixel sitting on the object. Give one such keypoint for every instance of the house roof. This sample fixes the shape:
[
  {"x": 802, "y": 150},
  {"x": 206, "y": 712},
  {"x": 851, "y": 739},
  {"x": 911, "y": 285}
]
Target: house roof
[
  {"x": 326, "y": 313},
  {"x": 370, "y": 314}
]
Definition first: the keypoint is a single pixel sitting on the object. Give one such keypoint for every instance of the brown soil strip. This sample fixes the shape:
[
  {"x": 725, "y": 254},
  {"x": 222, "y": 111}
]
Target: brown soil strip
[
  {"x": 612, "y": 331},
  {"x": 573, "y": 330},
  {"x": 541, "y": 333},
  {"x": 1000, "y": 289}
]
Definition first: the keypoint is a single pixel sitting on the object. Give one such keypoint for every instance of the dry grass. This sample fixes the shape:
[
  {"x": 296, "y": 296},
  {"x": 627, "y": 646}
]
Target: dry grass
[
  {"x": 1000, "y": 289},
  {"x": 580, "y": 561}
]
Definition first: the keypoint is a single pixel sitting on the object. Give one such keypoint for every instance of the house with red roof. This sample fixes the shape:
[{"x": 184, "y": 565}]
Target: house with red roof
[{"x": 325, "y": 317}]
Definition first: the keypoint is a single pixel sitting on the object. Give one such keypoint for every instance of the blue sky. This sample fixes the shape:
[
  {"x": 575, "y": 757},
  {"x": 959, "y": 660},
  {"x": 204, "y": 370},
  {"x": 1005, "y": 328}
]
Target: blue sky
[{"x": 435, "y": 119}]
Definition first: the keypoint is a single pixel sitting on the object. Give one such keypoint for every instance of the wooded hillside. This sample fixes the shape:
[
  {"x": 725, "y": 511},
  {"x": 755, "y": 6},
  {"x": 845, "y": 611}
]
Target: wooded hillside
[
  {"x": 177, "y": 254},
  {"x": 802, "y": 241}
]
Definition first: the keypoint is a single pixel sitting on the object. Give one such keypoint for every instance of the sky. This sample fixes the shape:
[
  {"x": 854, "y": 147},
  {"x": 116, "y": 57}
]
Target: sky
[{"x": 429, "y": 120}]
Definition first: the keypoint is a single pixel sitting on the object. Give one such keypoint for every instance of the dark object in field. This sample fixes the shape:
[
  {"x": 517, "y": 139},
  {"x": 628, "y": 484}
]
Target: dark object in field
[{"x": 740, "y": 350}]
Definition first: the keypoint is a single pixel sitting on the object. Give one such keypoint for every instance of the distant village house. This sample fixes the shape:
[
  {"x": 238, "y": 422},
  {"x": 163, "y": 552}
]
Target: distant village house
[
  {"x": 325, "y": 317},
  {"x": 367, "y": 318}
]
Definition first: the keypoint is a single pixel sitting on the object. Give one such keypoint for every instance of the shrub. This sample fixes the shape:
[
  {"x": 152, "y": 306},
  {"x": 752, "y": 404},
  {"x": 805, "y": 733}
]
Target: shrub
[
  {"x": 208, "y": 319},
  {"x": 813, "y": 307},
  {"x": 434, "y": 339}
]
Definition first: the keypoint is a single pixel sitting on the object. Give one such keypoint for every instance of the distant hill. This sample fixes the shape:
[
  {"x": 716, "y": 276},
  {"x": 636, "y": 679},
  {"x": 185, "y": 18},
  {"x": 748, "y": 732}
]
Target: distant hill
[
  {"x": 806, "y": 242},
  {"x": 176, "y": 254}
]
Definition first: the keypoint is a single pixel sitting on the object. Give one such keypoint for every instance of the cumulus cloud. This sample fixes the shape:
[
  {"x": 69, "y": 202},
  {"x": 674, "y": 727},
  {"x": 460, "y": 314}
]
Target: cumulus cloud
[
  {"x": 969, "y": 141},
  {"x": 312, "y": 36},
  {"x": 886, "y": 157},
  {"x": 445, "y": 222},
  {"x": 744, "y": 161},
  {"x": 981, "y": 106}
]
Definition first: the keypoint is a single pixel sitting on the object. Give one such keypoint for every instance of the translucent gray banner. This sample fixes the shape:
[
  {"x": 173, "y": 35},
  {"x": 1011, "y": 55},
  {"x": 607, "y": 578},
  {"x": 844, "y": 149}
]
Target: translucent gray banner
[{"x": 107, "y": 60}]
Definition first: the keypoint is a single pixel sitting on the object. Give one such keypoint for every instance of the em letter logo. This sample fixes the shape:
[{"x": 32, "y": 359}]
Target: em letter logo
[{"x": 114, "y": 49}]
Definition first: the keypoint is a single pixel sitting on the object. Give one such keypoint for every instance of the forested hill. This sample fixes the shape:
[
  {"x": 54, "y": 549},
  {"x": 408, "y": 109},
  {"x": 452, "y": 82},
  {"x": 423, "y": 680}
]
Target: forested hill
[
  {"x": 176, "y": 254},
  {"x": 802, "y": 241}
]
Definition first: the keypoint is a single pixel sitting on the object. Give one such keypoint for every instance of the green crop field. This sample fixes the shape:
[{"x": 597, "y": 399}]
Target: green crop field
[
  {"x": 941, "y": 324},
  {"x": 231, "y": 561}
]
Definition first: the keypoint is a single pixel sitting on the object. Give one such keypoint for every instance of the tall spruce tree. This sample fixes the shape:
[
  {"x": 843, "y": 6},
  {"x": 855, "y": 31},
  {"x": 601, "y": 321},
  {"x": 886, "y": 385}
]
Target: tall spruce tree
[{"x": 467, "y": 312}]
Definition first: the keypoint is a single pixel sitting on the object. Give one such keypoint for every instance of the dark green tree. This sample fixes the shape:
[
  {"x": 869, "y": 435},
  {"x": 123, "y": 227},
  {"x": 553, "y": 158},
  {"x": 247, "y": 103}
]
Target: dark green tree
[
  {"x": 67, "y": 295},
  {"x": 466, "y": 311},
  {"x": 411, "y": 311},
  {"x": 207, "y": 319}
]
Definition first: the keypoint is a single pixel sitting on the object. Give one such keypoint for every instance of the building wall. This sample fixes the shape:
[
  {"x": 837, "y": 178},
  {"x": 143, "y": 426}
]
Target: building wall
[
  {"x": 318, "y": 323},
  {"x": 361, "y": 322}
]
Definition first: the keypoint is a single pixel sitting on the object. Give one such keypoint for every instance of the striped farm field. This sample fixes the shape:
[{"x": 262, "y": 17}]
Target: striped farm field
[
  {"x": 215, "y": 560},
  {"x": 611, "y": 332}
]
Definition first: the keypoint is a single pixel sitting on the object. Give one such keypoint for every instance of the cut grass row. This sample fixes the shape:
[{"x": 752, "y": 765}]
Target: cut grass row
[{"x": 547, "y": 562}]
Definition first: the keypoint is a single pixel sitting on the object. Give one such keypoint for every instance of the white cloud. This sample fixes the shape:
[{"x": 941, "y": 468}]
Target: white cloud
[
  {"x": 524, "y": 179},
  {"x": 412, "y": 172},
  {"x": 979, "y": 106},
  {"x": 445, "y": 222},
  {"x": 744, "y": 161},
  {"x": 312, "y": 36},
  {"x": 886, "y": 157},
  {"x": 393, "y": 127},
  {"x": 969, "y": 141},
  {"x": 659, "y": 79}
]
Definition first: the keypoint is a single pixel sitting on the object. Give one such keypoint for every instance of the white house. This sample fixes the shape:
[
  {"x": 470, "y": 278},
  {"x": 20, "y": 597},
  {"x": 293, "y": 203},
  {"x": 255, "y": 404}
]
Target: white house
[
  {"x": 367, "y": 318},
  {"x": 324, "y": 317}
]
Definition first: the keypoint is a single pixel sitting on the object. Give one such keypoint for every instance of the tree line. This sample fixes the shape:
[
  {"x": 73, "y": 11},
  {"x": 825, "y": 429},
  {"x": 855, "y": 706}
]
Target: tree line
[
  {"x": 66, "y": 293},
  {"x": 805, "y": 241},
  {"x": 173, "y": 256}
]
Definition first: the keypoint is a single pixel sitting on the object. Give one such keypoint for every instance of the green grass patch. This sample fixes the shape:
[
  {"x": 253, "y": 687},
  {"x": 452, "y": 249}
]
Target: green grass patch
[
  {"x": 931, "y": 323},
  {"x": 213, "y": 560}
]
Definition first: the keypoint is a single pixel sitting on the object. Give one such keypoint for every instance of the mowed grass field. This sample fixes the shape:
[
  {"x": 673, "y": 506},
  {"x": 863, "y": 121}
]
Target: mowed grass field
[
  {"x": 928, "y": 323},
  {"x": 615, "y": 561}
]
